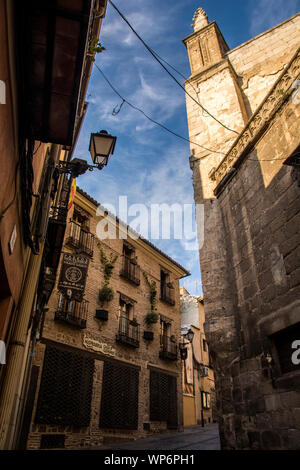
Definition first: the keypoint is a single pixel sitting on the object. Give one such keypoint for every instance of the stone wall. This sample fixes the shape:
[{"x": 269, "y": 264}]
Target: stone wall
[
  {"x": 260, "y": 211},
  {"x": 250, "y": 258}
]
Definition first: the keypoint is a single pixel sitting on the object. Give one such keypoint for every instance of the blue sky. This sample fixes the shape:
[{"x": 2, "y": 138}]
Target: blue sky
[{"x": 150, "y": 165}]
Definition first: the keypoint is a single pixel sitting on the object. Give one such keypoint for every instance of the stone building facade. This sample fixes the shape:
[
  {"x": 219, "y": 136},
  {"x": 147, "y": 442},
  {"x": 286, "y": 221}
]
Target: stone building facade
[
  {"x": 197, "y": 375},
  {"x": 100, "y": 374},
  {"x": 247, "y": 176}
]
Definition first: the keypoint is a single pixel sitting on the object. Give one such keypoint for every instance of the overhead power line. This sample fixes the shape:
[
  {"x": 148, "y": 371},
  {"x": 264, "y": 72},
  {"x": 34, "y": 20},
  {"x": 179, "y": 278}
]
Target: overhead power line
[
  {"x": 156, "y": 57},
  {"x": 115, "y": 112},
  {"x": 148, "y": 117}
]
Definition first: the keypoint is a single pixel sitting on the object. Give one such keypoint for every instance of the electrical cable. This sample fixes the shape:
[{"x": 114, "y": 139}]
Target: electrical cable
[
  {"x": 164, "y": 127},
  {"x": 168, "y": 72},
  {"x": 149, "y": 118}
]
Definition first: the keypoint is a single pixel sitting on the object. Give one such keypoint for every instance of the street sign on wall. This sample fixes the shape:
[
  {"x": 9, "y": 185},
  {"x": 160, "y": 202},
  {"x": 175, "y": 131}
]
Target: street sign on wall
[{"x": 73, "y": 276}]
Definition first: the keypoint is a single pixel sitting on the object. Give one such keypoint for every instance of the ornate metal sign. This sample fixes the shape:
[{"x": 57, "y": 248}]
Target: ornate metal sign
[{"x": 73, "y": 275}]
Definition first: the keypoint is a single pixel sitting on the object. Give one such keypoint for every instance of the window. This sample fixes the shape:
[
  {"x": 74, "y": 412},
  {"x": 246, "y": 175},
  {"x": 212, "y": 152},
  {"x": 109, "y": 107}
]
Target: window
[
  {"x": 130, "y": 269},
  {"x": 80, "y": 219},
  {"x": 128, "y": 330},
  {"x": 163, "y": 282},
  {"x": 119, "y": 400},
  {"x": 125, "y": 314},
  {"x": 205, "y": 398},
  {"x": 166, "y": 288},
  {"x": 128, "y": 251},
  {"x": 165, "y": 329},
  {"x": 71, "y": 311},
  {"x": 204, "y": 345}
]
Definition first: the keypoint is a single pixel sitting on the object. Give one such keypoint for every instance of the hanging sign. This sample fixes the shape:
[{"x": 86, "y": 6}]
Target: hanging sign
[{"x": 73, "y": 276}]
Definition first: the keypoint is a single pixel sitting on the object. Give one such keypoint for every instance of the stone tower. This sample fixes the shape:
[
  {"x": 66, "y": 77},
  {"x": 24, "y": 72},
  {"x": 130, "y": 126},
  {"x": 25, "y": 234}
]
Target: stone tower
[{"x": 243, "y": 126}]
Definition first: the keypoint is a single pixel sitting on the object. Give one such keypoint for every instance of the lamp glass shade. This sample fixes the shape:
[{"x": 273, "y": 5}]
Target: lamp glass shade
[
  {"x": 101, "y": 147},
  {"x": 190, "y": 335}
]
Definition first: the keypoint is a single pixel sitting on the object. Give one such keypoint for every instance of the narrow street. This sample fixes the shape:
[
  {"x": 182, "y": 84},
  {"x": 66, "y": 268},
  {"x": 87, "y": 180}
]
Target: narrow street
[{"x": 193, "y": 438}]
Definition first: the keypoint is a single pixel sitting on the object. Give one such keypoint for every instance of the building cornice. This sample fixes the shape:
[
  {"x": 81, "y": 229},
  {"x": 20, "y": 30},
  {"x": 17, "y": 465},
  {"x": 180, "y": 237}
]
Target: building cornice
[{"x": 260, "y": 120}]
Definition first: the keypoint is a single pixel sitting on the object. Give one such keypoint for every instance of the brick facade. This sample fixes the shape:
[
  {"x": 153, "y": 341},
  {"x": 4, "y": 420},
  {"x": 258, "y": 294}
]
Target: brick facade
[{"x": 143, "y": 359}]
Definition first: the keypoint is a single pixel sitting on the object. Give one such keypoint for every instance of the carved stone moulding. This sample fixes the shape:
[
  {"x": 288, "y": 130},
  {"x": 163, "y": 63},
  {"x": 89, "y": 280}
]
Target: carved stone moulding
[{"x": 271, "y": 104}]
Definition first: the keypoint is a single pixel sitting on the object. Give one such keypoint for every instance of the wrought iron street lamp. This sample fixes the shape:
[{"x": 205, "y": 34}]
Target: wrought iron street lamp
[
  {"x": 102, "y": 146},
  {"x": 189, "y": 336},
  {"x": 183, "y": 350}
]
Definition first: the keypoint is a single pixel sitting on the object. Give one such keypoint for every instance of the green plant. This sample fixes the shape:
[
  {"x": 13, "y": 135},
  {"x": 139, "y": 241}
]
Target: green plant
[
  {"x": 106, "y": 294},
  {"x": 95, "y": 47},
  {"x": 134, "y": 322},
  {"x": 173, "y": 338},
  {"x": 151, "y": 318},
  {"x": 153, "y": 292}
]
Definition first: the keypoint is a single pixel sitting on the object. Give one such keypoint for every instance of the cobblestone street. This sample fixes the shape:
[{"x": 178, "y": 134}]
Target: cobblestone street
[{"x": 193, "y": 438}]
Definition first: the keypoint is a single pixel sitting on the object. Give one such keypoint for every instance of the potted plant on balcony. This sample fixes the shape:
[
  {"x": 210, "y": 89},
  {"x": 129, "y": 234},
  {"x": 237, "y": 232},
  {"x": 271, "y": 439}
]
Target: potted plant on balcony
[
  {"x": 173, "y": 338},
  {"x": 106, "y": 293},
  {"x": 170, "y": 285},
  {"x": 151, "y": 318},
  {"x": 134, "y": 260}
]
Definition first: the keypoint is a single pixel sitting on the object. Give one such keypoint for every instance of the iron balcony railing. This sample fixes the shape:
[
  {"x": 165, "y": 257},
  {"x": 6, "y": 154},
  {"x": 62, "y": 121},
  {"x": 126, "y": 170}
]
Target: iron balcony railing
[
  {"x": 80, "y": 238},
  {"x": 59, "y": 208},
  {"x": 72, "y": 312},
  {"x": 128, "y": 332},
  {"x": 130, "y": 270},
  {"x": 168, "y": 294},
  {"x": 168, "y": 348}
]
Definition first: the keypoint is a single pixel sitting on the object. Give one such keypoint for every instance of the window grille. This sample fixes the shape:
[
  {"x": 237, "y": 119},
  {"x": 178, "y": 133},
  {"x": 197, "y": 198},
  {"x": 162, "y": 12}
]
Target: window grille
[
  {"x": 163, "y": 398},
  {"x": 119, "y": 401},
  {"x": 66, "y": 388}
]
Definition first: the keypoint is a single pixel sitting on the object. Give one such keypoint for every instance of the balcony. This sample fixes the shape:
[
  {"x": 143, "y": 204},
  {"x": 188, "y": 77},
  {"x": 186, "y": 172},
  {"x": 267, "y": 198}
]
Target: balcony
[
  {"x": 167, "y": 294},
  {"x": 168, "y": 348},
  {"x": 129, "y": 332},
  {"x": 130, "y": 270},
  {"x": 72, "y": 312},
  {"x": 80, "y": 238}
]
